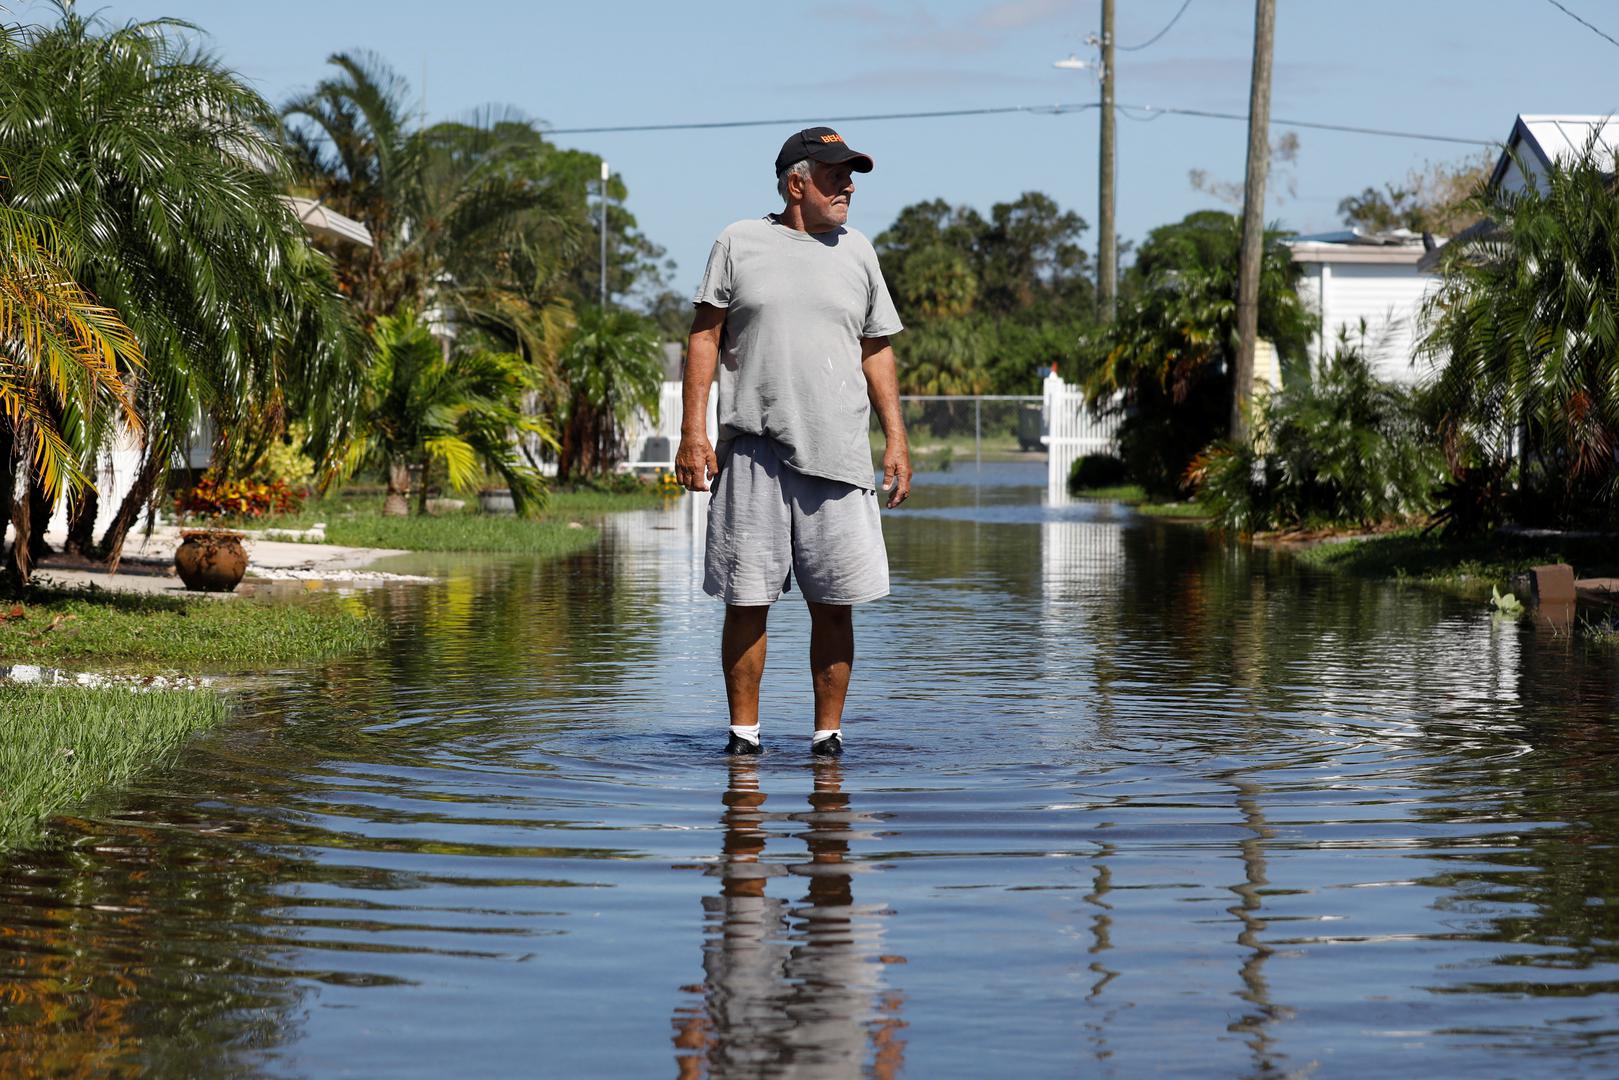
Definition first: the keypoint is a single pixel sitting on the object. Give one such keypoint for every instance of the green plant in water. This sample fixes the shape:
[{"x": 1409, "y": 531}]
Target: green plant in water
[{"x": 1506, "y": 605}]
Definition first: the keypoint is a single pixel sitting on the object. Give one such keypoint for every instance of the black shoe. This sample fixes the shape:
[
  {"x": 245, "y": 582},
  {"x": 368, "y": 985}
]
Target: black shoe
[
  {"x": 739, "y": 745},
  {"x": 828, "y": 747}
]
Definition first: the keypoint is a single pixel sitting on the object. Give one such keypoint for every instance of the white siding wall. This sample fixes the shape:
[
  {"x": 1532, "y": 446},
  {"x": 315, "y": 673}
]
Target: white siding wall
[{"x": 1388, "y": 296}]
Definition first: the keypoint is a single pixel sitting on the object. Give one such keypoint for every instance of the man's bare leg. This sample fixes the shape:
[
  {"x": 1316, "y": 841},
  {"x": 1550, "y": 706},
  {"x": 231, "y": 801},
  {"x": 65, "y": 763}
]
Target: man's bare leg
[
  {"x": 831, "y": 658},
  {"x": 742, "y": 653}
]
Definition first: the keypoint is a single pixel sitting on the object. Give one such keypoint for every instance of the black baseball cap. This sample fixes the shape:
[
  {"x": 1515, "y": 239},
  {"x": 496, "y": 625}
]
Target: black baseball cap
[{"x": 820, "y": 144}]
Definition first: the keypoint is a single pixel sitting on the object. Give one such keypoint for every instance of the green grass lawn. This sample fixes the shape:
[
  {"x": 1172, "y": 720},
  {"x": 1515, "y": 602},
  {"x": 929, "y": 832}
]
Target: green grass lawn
[
  {"x": 72, "y": 626},
  {"x": 1135, "y": 496},
  {"x": 563, "y": 528},
  {"x": 1471, "y": 566},
  {"x": 62, "y": 745}
]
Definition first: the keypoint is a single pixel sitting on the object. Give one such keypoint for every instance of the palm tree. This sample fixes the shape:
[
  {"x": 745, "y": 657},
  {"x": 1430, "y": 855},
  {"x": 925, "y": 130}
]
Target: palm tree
[
  {"x": 612, "y": 368},
  {"x": 1524, "y": 336},
  {"x": 157, "y": 166},
  {"x": 426, "y": 405},
  {"x": 465, "y": 221},
  {"x": 62, "y": 359},
  {"x": 1167, "y": 361}
]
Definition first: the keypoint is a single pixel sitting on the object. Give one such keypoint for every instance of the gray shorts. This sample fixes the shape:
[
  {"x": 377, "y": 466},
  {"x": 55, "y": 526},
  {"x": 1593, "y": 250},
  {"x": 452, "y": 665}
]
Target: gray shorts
[{"x": 768, "y": 524}]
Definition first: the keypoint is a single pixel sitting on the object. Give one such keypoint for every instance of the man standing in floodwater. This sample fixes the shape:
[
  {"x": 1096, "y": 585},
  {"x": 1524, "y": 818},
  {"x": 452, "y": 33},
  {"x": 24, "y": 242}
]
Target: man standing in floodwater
[{"x": 794, "y": 314}]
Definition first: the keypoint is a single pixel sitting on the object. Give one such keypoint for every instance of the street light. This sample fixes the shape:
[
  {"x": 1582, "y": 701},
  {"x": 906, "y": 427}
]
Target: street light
[
  {"x": 606, "y": 173},
  {"x": 1106, "y": 248}
]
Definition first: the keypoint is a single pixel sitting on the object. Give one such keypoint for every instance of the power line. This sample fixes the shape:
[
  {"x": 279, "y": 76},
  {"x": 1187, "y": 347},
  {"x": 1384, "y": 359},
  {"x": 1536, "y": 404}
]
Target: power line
[
  {"x": 938, "y": 113},
  {"x": 1319, "y": 125},
  {"x": 1032, "y": 110},
  {"x": 1159, "y": 34},
  {"x": 1581, "y": 21}
]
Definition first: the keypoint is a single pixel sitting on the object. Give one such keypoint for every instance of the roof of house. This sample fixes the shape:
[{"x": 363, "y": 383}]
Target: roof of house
[
  {"x": 1395, "y": 247},
  {"x": 1551, "y": 139},
  {"x": 326, "y": 223},
  {"x": 1539, "y": 141}
]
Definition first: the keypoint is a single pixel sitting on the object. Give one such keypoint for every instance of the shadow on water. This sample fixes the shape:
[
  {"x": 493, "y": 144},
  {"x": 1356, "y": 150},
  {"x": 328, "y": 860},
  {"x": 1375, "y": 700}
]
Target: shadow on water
[{"x": 1120, "y": 799}]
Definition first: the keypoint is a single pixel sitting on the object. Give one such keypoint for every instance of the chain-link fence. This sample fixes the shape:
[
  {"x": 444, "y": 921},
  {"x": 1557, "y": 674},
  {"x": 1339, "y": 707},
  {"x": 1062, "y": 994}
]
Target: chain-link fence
[{"x": 950, "y": 430}]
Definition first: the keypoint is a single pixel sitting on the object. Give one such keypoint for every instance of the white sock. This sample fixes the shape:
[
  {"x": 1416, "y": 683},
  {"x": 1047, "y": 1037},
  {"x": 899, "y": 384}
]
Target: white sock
[
  {"x": 750, "y": 732},
  {"x": 821, "y": 736}
]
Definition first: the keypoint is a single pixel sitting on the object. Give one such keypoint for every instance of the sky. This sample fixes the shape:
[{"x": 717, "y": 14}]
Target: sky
[{"x": 1461, "y": 68}]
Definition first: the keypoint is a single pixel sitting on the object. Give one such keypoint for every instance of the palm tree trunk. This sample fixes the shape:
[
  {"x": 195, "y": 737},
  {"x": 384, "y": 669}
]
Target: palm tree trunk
[
  {"x": 8, "y": 476},
  {"x": 421, "y": 496},
  {"x": 81, "y": 522},
  {"x": 129, "y": 511},
  {"x": 40, "y": 509},
  {"x": 397, "y": 503},
  {"x": 18, "y": 564}
]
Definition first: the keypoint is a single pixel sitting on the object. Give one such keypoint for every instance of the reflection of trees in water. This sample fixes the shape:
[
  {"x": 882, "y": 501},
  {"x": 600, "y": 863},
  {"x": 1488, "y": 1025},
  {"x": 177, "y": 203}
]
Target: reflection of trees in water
[
  {"x": 111, "y": 963},
  {"x": 789, "y": 989},
  {"x": 558, "y": 622}
]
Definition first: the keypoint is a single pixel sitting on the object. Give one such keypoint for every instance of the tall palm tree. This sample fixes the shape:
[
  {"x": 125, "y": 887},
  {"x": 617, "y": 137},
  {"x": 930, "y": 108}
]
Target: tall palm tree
[
  {"x": 156, "y": 163},
  {"x": 62, "y": 362},
  {"x": 465, "y": 222},
  {"x": 1524, "y": 335}
]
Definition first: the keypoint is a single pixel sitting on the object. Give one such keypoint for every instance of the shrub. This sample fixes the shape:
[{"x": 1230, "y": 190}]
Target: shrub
[
  {"x": 1347, "y": 449},
  {"x": 212, "y": 498},
  {"x": 1095, "y": 471}
]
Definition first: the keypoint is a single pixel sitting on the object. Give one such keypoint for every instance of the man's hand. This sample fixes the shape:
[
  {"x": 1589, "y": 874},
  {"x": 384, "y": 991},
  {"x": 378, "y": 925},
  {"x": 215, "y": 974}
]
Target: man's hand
[
  {"x": 897, "y": 473},
  {"x": 695, "y": 462}
]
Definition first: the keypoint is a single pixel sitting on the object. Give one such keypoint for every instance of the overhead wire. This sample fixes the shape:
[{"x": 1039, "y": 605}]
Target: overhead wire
[
  {"x": 1152, "y": 40},
  {"x": 1582, "y": 22},
  {"x": 1057, "y": 109}
]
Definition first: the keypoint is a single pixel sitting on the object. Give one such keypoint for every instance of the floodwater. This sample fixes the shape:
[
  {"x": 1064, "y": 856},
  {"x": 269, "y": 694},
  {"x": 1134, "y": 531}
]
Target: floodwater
[{"x": 1120, "y": 800}]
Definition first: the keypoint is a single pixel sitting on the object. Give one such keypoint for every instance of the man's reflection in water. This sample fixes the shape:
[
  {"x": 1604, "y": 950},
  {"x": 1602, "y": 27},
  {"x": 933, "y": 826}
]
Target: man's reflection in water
[{"x": 789, "y": 990}]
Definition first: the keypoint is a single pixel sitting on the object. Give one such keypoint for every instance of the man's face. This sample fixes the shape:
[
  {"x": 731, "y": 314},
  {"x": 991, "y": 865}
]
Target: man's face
[{"x": 827, "y": 195}]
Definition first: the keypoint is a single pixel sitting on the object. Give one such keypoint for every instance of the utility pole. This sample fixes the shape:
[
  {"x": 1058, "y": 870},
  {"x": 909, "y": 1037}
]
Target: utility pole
[
  {"x": 1253, "y": 218},
  {"x": 1107, "y": 254},
  {"x": 606, "y": 172}
]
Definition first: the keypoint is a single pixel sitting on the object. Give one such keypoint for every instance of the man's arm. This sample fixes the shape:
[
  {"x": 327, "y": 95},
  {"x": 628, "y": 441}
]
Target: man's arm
[
  {"x": 695, "y": 461},
  {"x": 882, "y": 385}
]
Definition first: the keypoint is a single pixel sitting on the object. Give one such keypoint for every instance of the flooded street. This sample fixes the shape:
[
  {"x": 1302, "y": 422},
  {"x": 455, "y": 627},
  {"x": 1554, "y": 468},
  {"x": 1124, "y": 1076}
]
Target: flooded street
[{"x": 1119, "y": 800}]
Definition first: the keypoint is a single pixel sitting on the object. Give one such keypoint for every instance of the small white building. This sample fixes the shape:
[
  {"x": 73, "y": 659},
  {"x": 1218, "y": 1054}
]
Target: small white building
[{"x": 1351, "y": 277}]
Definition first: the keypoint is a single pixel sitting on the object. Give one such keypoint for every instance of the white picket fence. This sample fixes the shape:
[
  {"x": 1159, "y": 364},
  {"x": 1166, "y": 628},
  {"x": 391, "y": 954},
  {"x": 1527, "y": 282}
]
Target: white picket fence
[
  {"x": 1072, "y": 431},
  {"x": 651, "y": 441}
]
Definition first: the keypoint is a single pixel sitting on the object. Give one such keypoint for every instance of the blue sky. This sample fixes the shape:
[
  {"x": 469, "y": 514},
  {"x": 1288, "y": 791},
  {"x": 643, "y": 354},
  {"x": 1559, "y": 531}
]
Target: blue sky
[{"x": 1454, "y": 67}]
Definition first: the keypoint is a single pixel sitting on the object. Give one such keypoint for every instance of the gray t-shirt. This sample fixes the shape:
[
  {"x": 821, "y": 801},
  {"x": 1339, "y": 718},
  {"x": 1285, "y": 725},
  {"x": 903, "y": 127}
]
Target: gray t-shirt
[{"x": 797, "y": 305}]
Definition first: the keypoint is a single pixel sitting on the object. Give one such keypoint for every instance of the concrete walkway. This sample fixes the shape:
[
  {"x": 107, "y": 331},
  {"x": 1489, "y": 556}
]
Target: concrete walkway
[{"x": 148, "y": 565}]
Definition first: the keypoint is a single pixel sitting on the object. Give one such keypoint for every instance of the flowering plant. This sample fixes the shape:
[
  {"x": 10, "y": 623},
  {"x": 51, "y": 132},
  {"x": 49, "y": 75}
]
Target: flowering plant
[{"x": 212, "y": 498}]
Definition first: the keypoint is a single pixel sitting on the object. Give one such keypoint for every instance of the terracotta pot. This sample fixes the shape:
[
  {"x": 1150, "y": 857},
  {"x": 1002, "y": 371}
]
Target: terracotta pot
[{"x": 211, "y": 560}]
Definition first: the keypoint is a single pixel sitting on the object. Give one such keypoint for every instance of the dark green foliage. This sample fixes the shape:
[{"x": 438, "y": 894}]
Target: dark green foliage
[
  {"x": 1348, "y": 449},
  {"x": 154, "y": 162},
  {"x": 1095, "y": 471},
  {"x": 1525, "y": 332},
  {"x": 990, "y": 303},
  {"x": 1166, "y": 363}
]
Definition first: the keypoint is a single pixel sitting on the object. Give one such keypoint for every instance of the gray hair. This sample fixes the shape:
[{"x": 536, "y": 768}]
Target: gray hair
[{"x": 801, "y": 167}]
